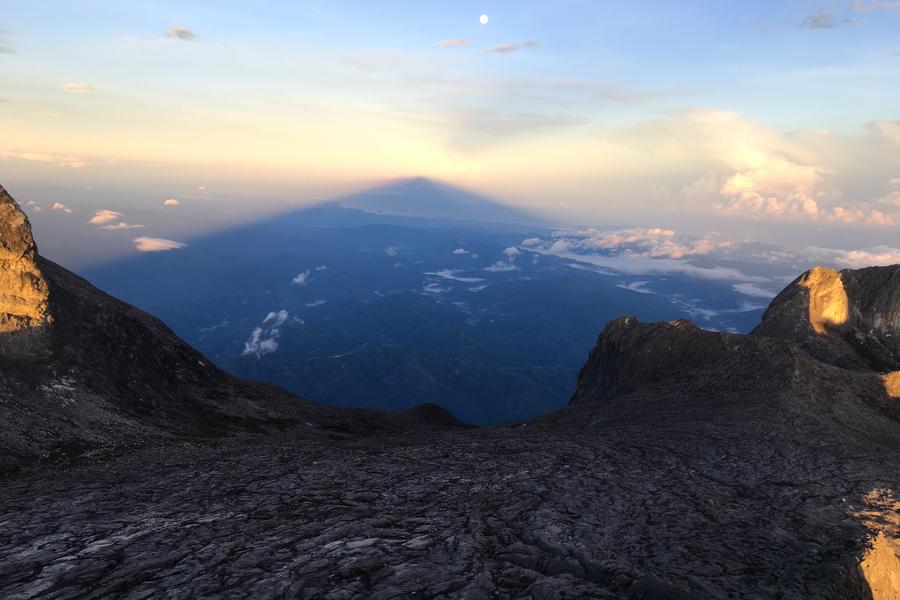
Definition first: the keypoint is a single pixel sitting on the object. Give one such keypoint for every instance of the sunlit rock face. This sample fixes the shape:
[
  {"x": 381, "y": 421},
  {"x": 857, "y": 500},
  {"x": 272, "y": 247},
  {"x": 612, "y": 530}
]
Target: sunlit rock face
[
  {"x": 24, "y": 295},
  {"x": 850, "y": 319},
  {"x": 828, "y": 304}
]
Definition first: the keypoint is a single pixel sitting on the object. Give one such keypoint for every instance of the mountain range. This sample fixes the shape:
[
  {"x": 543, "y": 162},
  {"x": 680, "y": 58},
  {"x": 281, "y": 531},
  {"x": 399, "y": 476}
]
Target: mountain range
[{"x": 688, "y": 464}]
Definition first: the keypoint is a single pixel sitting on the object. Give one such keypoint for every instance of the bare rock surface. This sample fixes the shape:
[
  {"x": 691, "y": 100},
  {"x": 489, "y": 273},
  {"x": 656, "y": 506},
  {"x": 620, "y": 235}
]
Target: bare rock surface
[
  {"x": 24, "y": 307},
  {"x": 849, "y": 318}
]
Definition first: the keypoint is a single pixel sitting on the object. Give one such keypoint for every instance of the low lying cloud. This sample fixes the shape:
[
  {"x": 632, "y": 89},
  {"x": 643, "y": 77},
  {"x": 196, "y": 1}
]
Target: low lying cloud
[
  {"x": 455, "y": 43},
  {"x": 264, "y": 339},
  {"x": 171, "y": 202},
  {"x": 151, "y": 244},
  {"x": 61, "y": 160},
  {"x": 121, "y": 226},
  {"x": 653, "y": 242},
  {"x": 181, "y": 33},
  {"x": 638, "y": 252},
  {"x": 452, "y": 275},
  {"x": 61, "y": 206},
  {"x": 79, "y": 88},
  {"x": 856, "y": 259},
  {"x": 105, "y": 216},
  {"x": 302, "y": 278}
]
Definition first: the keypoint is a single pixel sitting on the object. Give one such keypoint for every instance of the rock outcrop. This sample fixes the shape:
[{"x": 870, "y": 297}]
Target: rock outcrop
[
  {"x": 24, "y": 307},
  {"x": 849, "y": 318}
]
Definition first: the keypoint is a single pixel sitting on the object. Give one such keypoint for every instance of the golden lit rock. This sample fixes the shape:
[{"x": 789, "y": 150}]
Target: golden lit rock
[
  {"x": 881, "y": 569},
  {"x": 892, "y": 384},
  {"x": 828, "y": 304},
  {"x": 24, "y": 295}
]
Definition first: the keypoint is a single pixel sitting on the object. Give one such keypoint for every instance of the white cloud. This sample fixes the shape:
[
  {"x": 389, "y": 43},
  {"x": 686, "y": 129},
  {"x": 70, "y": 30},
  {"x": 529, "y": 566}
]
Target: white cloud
[
  {"x": 451, "y": 274},
  {"x": 121, "y": 226},
  {"x": 79, "y": 88},
  {"x": 636, "y": 286},
  {"x": 749, "y": 289},
  {"x": 263, "y": 339},
  {"x": 201, "y": 188},
  {"x": 62, "y": 207},
  {"x": 638, "y": 252},
  {"x": 301, "y": 278},
  {"x": 105, "y": 216},
  {"x": 171, "y": 202},
  {"x": 392, "y": 250},
  {"x": 315, "y": 303},
  {"x": 461, "y": 252},
  {"x": 654, "y": 242},
  {"x": 322, "y": 268},
  {"x": 856, "y": 259},
  {"x": 150, "y": 244},
  {"x": 501, "y": 266}
]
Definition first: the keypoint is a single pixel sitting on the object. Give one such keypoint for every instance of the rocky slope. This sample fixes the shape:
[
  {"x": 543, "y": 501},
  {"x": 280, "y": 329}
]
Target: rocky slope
[
  {"x": 690, "y": 464},
  {"x": 849, "y": 318}
]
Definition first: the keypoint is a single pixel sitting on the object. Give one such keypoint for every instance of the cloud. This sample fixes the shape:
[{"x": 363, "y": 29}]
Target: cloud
[
  {"x": 302, "y": 278},
  {"x": 315, "y": 303},
  {"x": 824, "y": 20},
  {"x": 749, "y": 289},
  {"x": 201, "y": 188},
  {"x": 860, "y": 6},
  {"x": 61, "y": 160},
  {"x": 263, "y": 339},
  {"x": 504, "y": 48},
  {"x": 61, "y": 206},
  {"x": 171, "y": 202},
  {"x": 508, "y": 48},
  {"x": 451, "y": 274},
  {"x": 856, "y": 259},
  {"x": 638, "y": 252},
  {"x": 653, "y": 242},
  {"x": 105, "y": 216},
  {"x": 79, "y": 88},
  {"x": 392, "y": 250},
  {"x": 121, "y": 226},
  {"x": 455, "y": 43},
  {"x": 461, "y": 252},
  {"x": 150, "y": 244},
  {"x": 181, "y": 33}
]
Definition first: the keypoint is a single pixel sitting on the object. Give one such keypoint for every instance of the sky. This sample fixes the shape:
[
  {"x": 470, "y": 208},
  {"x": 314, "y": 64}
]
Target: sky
[{"x": 774, "y": 119}]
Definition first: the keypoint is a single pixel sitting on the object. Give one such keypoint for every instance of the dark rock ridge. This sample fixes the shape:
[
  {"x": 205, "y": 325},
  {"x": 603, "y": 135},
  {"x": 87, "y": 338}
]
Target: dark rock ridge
[
  {"x": 849, "y": 318},
  {"x": 690, "y": 464}
]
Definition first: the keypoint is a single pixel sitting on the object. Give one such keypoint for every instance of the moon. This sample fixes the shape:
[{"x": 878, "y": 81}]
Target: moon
[{"x": 484, "y": 19}]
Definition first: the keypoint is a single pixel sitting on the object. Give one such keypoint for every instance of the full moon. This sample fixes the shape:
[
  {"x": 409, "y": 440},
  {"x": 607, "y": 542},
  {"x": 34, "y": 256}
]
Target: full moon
[{"x": 484, "y": 19}]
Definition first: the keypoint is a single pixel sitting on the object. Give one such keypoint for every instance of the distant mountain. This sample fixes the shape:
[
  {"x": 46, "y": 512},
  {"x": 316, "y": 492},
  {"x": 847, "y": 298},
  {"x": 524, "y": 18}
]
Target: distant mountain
[{"x": 423, "y": 198}]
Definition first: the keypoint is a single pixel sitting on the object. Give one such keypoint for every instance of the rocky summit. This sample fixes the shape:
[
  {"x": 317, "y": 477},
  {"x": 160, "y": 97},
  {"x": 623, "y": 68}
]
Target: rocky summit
[{"x": 689, "y": 464}]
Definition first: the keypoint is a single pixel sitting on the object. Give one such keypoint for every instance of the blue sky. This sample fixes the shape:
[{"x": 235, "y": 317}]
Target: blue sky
[{"x": 764, "y": 111}]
